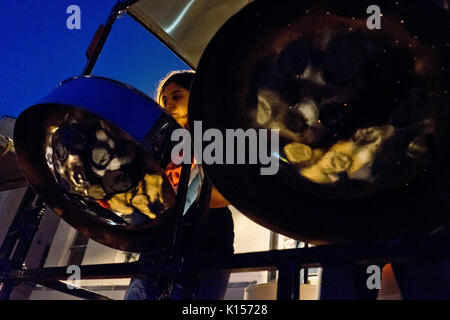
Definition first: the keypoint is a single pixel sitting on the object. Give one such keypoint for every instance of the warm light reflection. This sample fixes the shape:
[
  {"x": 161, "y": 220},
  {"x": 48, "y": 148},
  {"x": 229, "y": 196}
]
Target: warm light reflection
[
  {"x": 352, "y": 157},
  {"x": 99, "y": 168}
]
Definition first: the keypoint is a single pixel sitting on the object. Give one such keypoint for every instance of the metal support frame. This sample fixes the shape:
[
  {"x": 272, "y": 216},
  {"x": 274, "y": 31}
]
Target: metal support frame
[
  {"x": 288, "y": 282},
  {"x": 176, "y": 256},
  {"x": 76, "y": 292},
  {"x": 183, "y": 264},
  {"x": 288, "y": 262},
  {"x": 18, "y": 240}
]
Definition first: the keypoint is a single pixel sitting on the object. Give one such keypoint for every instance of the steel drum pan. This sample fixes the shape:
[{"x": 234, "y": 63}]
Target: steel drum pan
[
  {"x": 95, "y": 149},
  {"x": 363, "y": 116}
]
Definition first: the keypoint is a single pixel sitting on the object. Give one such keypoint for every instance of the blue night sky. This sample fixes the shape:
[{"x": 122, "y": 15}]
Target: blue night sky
[{"x": 37, "y": 50}]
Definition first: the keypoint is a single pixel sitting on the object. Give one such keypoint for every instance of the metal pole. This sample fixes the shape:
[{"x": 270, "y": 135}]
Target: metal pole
[
  {"x": 192, "y": 254},
  {"x": 288, "y": 282},
  {"x": 175, "y": 260},
  {"x": 76, "y": 292},
  {"x": 19, "y": 238},
  {"x": 26, "y": 222},
  {"x": 96, "y": 45},
  {"x": 305, "y": 270},
  {"x": 273, "y": 245}
]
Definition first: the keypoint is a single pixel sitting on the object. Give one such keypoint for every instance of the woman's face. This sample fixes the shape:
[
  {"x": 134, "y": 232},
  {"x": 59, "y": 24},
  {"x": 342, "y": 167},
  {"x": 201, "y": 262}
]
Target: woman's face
[{"x": 175, "y": 100}]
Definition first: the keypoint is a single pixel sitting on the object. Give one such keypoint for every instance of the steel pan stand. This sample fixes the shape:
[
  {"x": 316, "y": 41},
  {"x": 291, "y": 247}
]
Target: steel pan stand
[
  {"x": 18, "y": 240},
  {"x": 183, "y": 263}
]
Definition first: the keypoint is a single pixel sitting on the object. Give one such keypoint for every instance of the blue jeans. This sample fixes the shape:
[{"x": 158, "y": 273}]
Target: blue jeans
[{"x": 212, "y": 286}]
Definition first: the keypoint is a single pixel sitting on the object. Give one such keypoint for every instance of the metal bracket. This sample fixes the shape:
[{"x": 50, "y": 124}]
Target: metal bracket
[{"x": 18, "y": 240}]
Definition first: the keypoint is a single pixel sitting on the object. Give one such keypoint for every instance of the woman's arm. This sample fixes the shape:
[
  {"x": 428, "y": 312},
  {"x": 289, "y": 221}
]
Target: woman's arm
[{"x": 217, "y": 200}]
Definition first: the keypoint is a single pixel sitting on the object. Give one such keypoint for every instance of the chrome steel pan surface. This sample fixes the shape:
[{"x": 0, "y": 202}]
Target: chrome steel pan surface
[{"x": 95, "y": 150}]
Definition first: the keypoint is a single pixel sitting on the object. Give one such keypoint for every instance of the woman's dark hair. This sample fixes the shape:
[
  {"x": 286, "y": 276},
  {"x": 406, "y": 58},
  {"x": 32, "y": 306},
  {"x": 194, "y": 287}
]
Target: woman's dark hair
[{"x": 182, "y": 78}]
